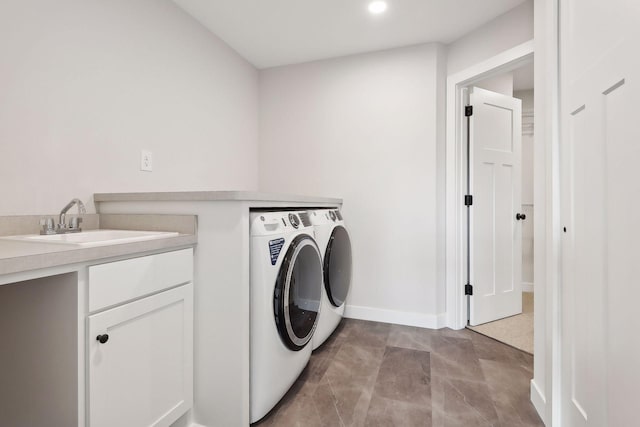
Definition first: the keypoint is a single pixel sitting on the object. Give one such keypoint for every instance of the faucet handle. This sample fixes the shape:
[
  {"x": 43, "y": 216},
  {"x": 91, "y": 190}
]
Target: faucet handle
[
  {"x": 74, "y": 223},
  {"x": 46, "y": 225}
]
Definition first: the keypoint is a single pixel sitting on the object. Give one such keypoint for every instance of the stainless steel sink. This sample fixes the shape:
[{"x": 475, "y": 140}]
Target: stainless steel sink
[{"x": 94, "y": 237}]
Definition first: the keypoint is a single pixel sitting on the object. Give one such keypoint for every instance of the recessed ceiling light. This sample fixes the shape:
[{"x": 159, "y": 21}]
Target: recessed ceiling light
[{"x": 377, "y": 7}]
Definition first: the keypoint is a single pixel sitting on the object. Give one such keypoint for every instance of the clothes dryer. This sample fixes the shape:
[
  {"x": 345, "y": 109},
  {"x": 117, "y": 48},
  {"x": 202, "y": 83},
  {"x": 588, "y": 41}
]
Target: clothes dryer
[
  {"x": 286, "y": 291},
  {"x": 335, "y": 245}
]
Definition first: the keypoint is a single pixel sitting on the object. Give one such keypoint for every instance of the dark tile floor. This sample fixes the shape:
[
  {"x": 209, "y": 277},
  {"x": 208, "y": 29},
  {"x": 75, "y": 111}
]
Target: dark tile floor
[{"x": 376, "y": 374}]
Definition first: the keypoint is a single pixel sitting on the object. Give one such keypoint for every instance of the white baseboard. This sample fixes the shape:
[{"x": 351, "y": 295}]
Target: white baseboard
[
  {"x": 538, "y": 400},
  {"x": 422, "y": 320},
  {"x": 527, "y": 287}
]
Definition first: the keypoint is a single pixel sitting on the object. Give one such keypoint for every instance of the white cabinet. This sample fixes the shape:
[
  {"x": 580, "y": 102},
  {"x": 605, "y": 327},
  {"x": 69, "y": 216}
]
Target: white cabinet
[
  {"x": 116, "y": 282},
  {"x": 140, "y": 360}
]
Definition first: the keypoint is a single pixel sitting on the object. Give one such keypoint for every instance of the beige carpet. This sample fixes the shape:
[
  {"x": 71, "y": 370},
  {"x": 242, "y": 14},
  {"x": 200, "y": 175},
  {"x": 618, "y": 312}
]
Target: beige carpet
[{"x": 516, "y": 331}]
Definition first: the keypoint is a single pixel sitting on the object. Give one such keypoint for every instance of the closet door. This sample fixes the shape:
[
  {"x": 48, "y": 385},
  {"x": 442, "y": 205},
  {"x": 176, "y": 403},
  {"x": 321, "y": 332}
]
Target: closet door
[
  {"x": 496, "y": 223},
  {"x": 600, "y": 200}
]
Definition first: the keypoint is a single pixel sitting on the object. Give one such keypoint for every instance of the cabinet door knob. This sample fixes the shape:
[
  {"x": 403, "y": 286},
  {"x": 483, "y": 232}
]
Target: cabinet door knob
[
  {"x": 102, "y": 338},
  {"x": 520, "y": 216}
]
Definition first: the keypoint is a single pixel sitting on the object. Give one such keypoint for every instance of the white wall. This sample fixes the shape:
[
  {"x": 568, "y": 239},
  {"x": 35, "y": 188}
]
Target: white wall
[
  {"x": 365, "y": 128},
  {"x": 506, "y": 31},
  {"x": 547, "y": 224},
  {"x": 441, "y": 172},
  {"x": 527, "y": 188},
  {"x": 527, "y": 98},
  {"x": 86, "y": 85},
  {"x": 502, "y": 83},
  {"x": 527, "y": 144},
  {"x": 370, "y": 128}
]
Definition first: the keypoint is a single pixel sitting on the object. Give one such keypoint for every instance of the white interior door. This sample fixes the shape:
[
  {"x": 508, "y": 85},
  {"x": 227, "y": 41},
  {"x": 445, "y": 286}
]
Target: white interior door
[
  {"x": 496, "y": 185},
  {"x": 600, "y": 189}
]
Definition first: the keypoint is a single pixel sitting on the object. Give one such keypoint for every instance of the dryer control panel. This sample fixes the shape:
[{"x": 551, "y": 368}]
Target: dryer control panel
[{"x": 267, "y": 223}]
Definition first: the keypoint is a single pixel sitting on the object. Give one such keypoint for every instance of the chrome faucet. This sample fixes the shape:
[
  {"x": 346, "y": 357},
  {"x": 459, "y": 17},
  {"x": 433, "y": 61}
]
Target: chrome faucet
[{"x": 74, "y": 223}]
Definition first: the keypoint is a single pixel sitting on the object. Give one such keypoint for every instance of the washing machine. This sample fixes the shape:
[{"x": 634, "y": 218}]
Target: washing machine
[
  {"x": 335, "y": 245},
  {"x": 286, "y": 290}
]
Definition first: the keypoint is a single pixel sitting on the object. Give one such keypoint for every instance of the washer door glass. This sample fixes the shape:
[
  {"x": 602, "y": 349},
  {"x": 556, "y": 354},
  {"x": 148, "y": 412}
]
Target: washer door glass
[
  {"x": 337, "y": 266},
  {"x": 297, "y": 292}
]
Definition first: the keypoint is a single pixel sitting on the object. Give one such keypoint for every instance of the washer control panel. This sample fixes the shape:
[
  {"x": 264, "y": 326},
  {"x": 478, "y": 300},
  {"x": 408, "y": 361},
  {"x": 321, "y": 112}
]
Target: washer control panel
[{"x": 294, "y": 220}]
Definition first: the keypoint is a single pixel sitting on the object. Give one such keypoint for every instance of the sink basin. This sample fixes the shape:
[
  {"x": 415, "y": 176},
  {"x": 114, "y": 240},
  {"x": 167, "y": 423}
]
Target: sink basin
[{"x": 94, "y": 237}]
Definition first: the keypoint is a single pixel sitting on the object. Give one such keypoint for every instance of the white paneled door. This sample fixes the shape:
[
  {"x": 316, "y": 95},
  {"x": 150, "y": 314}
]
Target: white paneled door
[
  {"x": 495, "y": 222},
  {"x": 600, "y": 204}
]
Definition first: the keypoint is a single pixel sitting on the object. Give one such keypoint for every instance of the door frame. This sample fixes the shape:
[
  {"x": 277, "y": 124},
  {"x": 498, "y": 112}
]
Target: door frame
[
  {"x": 456, "y": 173},
  {"x": 546, "y": 384}
]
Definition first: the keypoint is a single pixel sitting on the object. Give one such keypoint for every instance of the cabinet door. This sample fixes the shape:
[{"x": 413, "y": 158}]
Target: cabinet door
[{"x": 142, "y": 375}]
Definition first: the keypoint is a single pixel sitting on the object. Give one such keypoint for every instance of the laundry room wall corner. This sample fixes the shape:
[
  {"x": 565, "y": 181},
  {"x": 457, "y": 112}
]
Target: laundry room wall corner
[
  {"x": 441, "y": 200},
  {"x": 502, "y": 33},
  {"x": 368, "y": 125}
]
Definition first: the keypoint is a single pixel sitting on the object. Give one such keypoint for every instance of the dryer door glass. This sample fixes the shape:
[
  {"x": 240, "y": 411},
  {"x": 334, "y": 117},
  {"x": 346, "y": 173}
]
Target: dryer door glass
[
  {"x": 297, "y": 293},
  {"x": 337, "y": 266}
]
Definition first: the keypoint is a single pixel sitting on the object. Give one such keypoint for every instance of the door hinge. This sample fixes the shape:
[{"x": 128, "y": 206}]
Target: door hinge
[
  {"x": 468, "y": 289},
  {"x": 468, "y": 111},
  {"x": 468, "y": 200}
]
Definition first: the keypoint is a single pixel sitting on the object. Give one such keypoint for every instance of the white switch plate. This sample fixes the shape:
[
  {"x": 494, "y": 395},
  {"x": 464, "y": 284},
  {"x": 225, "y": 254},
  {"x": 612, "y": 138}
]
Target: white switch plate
[{"x": 146, "y": 161}]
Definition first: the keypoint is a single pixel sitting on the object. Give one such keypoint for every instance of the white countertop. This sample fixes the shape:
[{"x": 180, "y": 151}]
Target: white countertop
[
  {"x": 213, "y": 196},
  {"x": 18, "y": 256}
]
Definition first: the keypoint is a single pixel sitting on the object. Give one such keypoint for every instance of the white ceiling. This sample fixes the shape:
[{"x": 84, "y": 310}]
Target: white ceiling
[{"x": 269, "y": 33}]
